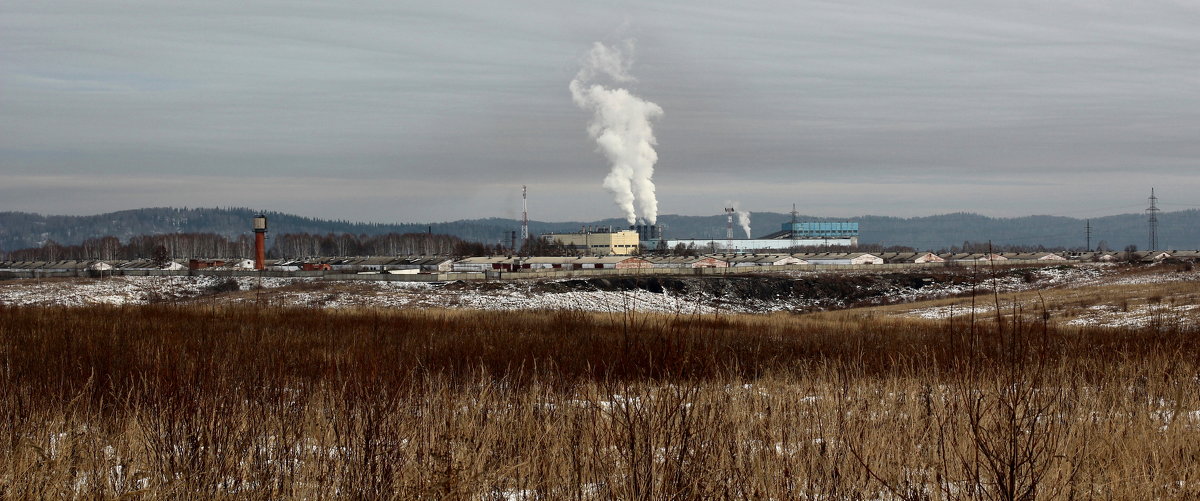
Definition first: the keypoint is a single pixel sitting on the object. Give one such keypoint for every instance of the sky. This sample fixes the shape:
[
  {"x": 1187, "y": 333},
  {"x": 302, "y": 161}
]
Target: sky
[{"x": 437, "y": 111}]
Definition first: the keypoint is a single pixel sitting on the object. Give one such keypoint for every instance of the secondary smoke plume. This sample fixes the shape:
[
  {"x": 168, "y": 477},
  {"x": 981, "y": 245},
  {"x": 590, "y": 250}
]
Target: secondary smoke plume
[{"x": 621, "y": 128}]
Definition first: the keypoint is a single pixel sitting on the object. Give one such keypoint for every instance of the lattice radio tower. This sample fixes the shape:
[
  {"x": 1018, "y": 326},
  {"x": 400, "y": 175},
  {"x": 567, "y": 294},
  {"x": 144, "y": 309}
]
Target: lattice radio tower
[
  {"x": 524, "y": 215},
  {"x": 1152, "y": 211}
]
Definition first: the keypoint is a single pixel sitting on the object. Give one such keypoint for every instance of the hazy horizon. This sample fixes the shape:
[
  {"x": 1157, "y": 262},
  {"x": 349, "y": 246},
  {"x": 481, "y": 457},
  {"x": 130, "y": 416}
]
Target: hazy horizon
[{"x": 613, "y": 216}]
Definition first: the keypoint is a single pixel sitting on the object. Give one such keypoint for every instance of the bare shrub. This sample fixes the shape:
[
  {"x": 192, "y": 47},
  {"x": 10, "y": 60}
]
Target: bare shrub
[{"x": 227, "y": 285}]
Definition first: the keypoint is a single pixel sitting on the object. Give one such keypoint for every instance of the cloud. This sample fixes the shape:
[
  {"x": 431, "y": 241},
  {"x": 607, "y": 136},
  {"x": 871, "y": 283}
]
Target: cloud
[{"x": 799, "y": 94}]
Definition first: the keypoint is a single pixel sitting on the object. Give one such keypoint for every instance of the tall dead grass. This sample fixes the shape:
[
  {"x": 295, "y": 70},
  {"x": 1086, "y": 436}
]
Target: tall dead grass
[{"x": 207, "y": 402}]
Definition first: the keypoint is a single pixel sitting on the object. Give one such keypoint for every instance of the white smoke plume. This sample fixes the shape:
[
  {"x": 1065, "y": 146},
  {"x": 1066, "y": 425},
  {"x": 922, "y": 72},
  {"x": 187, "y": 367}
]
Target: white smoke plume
[{"x": 621, "y": 128}]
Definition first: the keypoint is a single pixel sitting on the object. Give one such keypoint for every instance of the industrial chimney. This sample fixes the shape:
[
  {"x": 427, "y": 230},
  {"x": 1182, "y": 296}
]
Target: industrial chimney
[
  {"x": 729, "y": 229},
  {"x": 260, "y": 242}
]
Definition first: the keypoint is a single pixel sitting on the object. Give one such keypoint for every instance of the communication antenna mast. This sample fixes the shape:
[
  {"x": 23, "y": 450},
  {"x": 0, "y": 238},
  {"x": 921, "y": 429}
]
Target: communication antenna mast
[
  {"x": 524, "y": 215},
  {"x": 729, "y": 229},
  {"x": 1152, "y": 211}
]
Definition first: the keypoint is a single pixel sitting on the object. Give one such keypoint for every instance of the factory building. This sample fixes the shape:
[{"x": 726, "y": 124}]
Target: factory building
[
  {"x": 756, "y": 244},
  {"x": 790, "y": 235},
  {"x": 598, "y": 241},
  {"x": 647, "y": 232},
  {"x": 817, "y": 230},
  {"x": 816, "y": 233}
]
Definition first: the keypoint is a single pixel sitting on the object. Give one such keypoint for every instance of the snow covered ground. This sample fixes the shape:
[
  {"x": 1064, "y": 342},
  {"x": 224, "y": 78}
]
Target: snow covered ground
[
  {"x": 690, "y": 298},
  {"x": 1139, "y": 303},
  {"x": 517, "y": 295},
  {"x": 116, "y": 290}
]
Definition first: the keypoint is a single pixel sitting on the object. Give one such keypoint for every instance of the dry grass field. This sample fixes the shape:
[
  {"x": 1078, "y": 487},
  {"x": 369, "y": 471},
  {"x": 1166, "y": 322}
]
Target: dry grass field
[
  {"x": 227, "y": 402},
  {"x": 1137, "y": 296}
]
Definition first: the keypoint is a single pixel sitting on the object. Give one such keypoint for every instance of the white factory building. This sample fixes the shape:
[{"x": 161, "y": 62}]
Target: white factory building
[{"x": 791, "y": 235}]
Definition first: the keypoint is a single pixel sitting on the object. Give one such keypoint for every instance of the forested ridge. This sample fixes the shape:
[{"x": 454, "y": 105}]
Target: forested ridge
[{"x": 1177, "y": 230}]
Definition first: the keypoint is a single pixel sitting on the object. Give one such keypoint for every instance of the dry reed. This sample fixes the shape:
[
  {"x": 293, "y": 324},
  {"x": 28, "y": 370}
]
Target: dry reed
[{"x": 228, "y": 402}]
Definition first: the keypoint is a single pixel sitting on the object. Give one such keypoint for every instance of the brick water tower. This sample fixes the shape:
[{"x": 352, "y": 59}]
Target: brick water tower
[{"x": 260, "y": 242}]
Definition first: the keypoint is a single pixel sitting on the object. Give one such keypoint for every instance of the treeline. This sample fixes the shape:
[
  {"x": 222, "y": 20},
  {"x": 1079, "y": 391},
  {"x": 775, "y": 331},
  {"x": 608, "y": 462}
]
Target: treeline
[
  {"x": 300, "y": 245},
  {"x": 211, "y": 245},
  {"x": 175, "y": 245},
  {"x": 296, "y": 245},
  {"x": 976, "y": 248}
]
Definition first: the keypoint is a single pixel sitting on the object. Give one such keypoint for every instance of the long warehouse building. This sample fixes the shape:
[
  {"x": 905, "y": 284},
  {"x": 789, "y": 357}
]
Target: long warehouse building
[{"x": 799, "y": 234}]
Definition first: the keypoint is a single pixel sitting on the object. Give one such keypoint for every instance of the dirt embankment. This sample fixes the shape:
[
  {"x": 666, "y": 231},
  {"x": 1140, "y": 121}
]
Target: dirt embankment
[{"x": 821, "y": 291}]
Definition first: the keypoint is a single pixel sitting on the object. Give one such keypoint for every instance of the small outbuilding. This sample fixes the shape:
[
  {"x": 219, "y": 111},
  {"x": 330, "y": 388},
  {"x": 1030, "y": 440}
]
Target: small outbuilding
[{"x": 201, "y": 264}]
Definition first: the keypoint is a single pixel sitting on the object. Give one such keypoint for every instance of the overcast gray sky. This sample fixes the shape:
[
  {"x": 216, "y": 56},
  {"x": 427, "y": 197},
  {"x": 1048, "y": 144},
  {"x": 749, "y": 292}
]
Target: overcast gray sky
[{"x": 430, "y": 111}]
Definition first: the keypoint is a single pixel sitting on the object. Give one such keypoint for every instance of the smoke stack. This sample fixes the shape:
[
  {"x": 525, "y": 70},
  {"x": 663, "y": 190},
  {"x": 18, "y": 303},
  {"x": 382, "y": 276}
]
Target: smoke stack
[
  {"x": 260, "y": 242},
  {"x": 729, "y": 211}
]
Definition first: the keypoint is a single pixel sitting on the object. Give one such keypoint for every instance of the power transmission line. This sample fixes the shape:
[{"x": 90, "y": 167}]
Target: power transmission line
[
  {"x": 1153, "y": 212},
  {"x": 1089, "y": 235}
]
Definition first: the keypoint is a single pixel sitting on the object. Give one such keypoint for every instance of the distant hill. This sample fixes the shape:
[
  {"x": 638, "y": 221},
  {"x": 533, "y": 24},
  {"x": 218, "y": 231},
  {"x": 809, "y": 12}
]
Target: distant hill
[
  {"x": 1177, "y": 230},
  {"x": 23, "y": 230}
]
